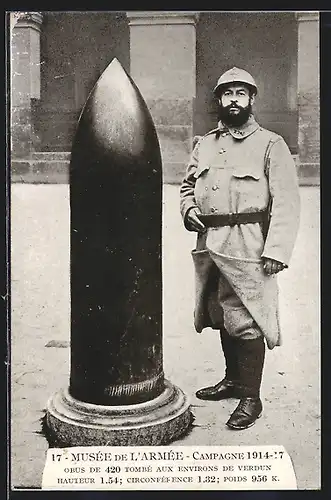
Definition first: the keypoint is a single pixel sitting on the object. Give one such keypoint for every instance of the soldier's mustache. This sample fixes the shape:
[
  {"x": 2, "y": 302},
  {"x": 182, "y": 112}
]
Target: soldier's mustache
[{"x": 233, "y": 106}]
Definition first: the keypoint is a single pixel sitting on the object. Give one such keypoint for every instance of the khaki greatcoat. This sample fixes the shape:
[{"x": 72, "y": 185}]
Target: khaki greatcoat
[{"x": 245, "y": 169}]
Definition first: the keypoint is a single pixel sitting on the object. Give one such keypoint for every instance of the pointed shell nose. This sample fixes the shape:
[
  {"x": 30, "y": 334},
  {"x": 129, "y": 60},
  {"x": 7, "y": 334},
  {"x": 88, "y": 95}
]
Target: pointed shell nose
[{"x": 117, "y": 114}]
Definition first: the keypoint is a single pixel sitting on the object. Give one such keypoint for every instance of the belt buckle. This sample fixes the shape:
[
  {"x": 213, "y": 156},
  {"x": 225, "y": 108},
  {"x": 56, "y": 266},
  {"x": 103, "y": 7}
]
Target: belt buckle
[{"x": 232, "y": 220}]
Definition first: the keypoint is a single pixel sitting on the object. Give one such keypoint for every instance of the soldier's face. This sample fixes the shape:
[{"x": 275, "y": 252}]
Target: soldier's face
[
  {"x": 235, "y": 105},
  {"x": 235, "y": 97}
]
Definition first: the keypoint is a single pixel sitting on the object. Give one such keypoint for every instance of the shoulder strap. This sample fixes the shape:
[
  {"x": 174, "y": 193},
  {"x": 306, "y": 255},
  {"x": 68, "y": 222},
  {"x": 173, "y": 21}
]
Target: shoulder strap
[
  {"x": 198, "y": 138},
  {"x": 271, "y": 142}
]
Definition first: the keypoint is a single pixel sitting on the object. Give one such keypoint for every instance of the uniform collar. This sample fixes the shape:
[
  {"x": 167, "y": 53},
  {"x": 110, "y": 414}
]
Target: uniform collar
[{"x": 240, "y": 132}]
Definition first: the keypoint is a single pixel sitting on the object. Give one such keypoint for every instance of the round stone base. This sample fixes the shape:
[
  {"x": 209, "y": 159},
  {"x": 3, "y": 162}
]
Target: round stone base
[{"x": 74, "y": 423}]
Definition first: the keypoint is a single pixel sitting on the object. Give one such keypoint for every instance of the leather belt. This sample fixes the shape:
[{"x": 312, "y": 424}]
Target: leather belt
[{"x": 218, "y": 220}]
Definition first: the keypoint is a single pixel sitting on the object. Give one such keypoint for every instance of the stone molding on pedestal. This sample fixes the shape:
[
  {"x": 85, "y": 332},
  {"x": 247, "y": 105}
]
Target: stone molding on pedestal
[
  {"x": 158, "y": 421},
  {"x": 307, "y": 16},
  {"x": 31, "y": 20},
  {"x": 165, "y": 17}
]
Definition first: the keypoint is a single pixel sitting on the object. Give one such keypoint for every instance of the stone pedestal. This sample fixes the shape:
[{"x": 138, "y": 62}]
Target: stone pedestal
[
  {"x": 155, "y": 422},
  {"x": 117, "y": 393},
  {"x": 308, "y": 96},
  {"x": 163, "y": 64}
]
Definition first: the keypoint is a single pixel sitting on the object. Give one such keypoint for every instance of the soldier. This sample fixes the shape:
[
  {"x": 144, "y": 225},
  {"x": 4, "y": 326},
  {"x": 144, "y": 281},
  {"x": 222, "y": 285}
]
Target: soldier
[{"x": 240, "y": 194}]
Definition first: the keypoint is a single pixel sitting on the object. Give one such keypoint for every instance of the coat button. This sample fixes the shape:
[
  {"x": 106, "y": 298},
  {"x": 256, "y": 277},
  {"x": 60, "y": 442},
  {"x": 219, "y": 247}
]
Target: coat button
[
  {"x": 213, "y": 209},
  {"x": 222, "y": 151},
  {"x": 206, "y": 188},
  {"x": 215, "y": 187}
]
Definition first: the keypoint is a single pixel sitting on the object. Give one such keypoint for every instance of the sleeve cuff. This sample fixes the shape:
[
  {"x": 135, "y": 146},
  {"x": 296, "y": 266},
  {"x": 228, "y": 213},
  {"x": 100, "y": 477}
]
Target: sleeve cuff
[
  {"x": 186, "y": 223},
  {"x": 275, "y": 256}
]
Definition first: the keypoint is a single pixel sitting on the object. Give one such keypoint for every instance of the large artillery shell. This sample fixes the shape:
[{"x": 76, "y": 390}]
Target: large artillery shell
[{"x": 116, "y": 221}]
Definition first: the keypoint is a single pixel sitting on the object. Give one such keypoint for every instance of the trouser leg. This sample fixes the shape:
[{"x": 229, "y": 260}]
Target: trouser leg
[
  {"x": 239, "y": 327},
  {"x": 251, "y": 355},
  {"x": 238, "y": 321},
  {"x": 248, "y": 348}
]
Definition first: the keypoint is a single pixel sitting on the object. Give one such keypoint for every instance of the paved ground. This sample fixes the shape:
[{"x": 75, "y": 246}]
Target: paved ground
[{"x": 40, "y": 315}]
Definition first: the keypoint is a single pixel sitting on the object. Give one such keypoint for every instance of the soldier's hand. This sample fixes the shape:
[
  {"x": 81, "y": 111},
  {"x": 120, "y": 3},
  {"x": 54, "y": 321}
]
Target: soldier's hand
[
  {"x": 194, "y": 221},
  {"x": 272, "y": 266}
]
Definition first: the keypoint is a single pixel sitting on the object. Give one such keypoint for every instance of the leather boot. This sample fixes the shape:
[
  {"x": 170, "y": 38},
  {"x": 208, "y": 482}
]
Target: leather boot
[
  {"x": 226, "y": 388},
  {"x": 251, "y": 354}
]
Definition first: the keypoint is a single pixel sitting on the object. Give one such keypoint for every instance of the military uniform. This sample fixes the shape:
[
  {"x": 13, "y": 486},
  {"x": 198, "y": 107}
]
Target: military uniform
[
  {"x": 241, "y": 170},
  {"x": 237, "y": 171}
]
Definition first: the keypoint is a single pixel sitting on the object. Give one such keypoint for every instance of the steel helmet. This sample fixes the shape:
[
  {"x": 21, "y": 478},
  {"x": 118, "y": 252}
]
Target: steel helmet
[{"x": 235, "y": 75}]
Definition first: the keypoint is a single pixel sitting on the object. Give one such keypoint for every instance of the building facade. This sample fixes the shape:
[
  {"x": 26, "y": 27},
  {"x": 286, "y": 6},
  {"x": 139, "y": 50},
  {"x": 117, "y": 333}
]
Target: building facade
[{"x": 175, "y": 58}]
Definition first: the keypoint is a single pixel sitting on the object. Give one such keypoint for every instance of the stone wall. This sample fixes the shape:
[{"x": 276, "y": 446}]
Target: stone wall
[{"x": 175, "y": 59}]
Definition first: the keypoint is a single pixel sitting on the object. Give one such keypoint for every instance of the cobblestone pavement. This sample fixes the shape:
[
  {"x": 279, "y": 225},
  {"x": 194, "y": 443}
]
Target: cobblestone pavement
[{"x": 40, "y": 336}]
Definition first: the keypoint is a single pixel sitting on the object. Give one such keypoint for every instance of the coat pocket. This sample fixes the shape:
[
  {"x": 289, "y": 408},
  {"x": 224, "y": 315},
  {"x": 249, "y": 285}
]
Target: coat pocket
[
  {"x": 248, "y": 189},
  {"x": 207, "y": 310},
  {"x": 245, "y": 181},
  {"x": 246, "y": 175}
]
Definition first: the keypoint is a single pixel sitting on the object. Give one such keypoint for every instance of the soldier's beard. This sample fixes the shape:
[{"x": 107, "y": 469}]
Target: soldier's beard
[{"x": 234, "y": 120}]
